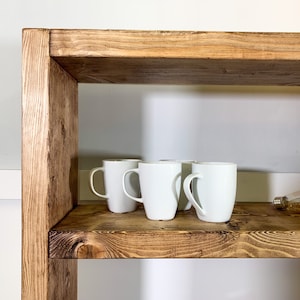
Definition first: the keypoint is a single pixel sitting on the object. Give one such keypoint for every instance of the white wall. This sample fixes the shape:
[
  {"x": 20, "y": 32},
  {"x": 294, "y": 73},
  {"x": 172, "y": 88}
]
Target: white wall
[{"x": 151, "y": 125}]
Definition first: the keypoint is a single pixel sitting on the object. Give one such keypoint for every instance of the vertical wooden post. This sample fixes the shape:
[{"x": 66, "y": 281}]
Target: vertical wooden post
[{"x": 49, "y": 167}]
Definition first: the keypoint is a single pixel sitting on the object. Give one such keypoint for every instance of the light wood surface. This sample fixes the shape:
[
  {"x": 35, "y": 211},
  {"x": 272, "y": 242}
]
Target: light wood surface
[
  {"x": 49, "y": 155},
  {"x": 170, "y": 57},
  {"x": 255, "y": 230}
]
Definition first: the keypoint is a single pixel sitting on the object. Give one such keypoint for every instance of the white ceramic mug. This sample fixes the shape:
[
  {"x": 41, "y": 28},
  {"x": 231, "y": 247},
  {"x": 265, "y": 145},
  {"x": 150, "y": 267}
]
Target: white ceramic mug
[
  {"x": 213, "y": 194},
  {"x": 160, "y": 188},
  {"x": 113, "y": 170}
]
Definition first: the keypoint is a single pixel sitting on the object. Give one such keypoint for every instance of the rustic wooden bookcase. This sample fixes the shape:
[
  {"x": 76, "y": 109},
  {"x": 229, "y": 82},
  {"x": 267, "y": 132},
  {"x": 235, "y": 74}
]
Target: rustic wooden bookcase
[{"x": 56, "y": 229}]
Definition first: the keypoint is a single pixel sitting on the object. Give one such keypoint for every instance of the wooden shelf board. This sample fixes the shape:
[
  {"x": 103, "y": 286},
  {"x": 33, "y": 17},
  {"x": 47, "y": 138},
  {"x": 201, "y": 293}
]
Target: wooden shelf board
[
  {"x": 255, "y": 230},
  {"x": 178, "y": 57}
]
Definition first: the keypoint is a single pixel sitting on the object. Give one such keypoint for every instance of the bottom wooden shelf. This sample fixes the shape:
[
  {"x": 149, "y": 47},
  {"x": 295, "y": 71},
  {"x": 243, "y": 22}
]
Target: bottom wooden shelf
[{"x": 255, "y": 230}]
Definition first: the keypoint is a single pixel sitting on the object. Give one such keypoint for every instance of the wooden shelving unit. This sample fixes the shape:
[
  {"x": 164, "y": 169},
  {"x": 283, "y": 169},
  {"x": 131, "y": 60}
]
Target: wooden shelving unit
[{"x": 56, "y": 229}]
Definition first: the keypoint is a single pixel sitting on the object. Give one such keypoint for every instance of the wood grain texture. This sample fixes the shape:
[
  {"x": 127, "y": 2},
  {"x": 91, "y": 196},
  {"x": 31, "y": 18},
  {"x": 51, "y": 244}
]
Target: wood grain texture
[
  {"x": 173, "y": 57},
  {"x": 62, "y": 156},
  {"x": 62, "y": 279},
  {"x": 174, "y": 44},
  {"x": 49, "y": 176},
  {"x": 255, "y": 230}
]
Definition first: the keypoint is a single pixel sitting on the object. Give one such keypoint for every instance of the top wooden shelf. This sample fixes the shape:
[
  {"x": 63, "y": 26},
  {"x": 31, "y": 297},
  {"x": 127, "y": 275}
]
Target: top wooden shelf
[{"x": 173, "y": 57}]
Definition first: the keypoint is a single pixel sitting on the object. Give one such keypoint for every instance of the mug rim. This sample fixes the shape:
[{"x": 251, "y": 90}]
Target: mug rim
[
  {"x": 121, "y": 159},
  {"x": 180, "y": 160},
  {"x": 215, "y": 163},
  {"x": 159, "y": 162}
]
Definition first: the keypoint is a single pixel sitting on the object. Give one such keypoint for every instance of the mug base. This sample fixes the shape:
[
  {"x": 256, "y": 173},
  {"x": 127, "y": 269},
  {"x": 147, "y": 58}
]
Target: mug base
[
  {"x": 121, "y": 210},
  {"x": 214, "y": 220},
  {"x": 160, "y": 218}
]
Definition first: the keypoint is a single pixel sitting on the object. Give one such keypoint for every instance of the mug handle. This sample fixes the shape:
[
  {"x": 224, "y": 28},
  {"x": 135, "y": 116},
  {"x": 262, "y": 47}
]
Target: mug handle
[
  {"x": 92, "y": 173},
  {"x": 189, "y": 195},
  {"x": 124, "y": 185}
]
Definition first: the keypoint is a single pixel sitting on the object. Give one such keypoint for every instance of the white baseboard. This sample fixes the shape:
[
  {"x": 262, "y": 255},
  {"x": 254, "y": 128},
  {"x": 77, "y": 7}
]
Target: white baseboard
[
  {"x": 10, "y": 184},
  {"x": 252, "y": 186}
]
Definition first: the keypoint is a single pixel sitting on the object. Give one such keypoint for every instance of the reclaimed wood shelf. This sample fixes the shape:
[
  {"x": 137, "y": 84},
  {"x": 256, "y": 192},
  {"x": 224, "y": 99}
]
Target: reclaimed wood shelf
[
  {"x": 170, "y": 57},
  {"x": 254, "y": 230},
  {"x": 54, "y": 62}
]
